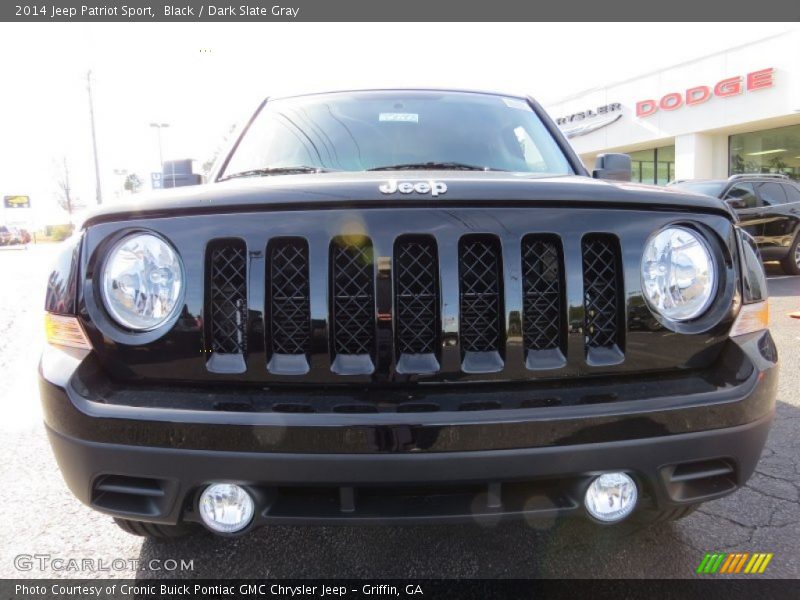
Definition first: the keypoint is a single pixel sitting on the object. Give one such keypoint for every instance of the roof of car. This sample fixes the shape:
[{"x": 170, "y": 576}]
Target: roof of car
[
  {"x": 432, "y": 90},
  {"x": 741, "y": 177}
]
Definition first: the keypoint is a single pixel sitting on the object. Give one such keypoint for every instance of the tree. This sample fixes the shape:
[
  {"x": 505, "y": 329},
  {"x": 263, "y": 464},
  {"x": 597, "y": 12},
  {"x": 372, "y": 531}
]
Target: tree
[
  {"x": 64, "y": 194},
  {"x": 132, "y": 183}
]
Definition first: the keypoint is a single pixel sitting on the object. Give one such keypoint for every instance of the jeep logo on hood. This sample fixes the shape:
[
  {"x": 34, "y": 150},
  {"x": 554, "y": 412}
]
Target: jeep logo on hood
[{"x": 434, "y": 188}]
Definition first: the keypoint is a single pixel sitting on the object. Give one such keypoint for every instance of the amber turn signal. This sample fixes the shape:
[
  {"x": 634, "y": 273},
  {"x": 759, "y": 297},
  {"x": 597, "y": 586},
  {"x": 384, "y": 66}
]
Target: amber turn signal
[
  {"x": 62, "y": 330},
  {"x": 752, "y": 317}
]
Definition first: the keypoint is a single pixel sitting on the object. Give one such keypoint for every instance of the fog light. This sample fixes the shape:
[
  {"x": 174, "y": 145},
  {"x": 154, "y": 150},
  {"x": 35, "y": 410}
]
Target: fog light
[
  {"x": 226, "y": 508},
  {"x": 611, "y": 497}
]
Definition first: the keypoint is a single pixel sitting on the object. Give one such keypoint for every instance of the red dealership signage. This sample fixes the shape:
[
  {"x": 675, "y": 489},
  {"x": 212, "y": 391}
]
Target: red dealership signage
[{"x": 732, "y": 86}]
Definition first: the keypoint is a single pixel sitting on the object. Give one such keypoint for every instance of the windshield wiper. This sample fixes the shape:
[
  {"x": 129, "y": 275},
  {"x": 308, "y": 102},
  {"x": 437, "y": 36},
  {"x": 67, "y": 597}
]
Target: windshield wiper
[
  {"x": 432, "y": 165},
  {"x": 266, "y": 171}
]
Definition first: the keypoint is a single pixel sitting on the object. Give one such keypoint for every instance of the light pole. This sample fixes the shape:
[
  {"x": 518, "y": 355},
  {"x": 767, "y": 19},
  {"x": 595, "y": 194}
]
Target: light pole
[
  {"x": 98, "y": 190},
  {"x": 159, "y": 127}
]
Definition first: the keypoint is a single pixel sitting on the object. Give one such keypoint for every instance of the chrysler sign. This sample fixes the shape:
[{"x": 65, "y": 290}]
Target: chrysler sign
[
  {"x": 725, "y": 88},
  {"x": 587, "y": 121}
]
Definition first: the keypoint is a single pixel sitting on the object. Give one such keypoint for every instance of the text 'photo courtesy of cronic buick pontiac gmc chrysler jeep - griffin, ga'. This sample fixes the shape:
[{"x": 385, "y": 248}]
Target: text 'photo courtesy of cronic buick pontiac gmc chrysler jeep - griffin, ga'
[{"x": 406, "y": 306}]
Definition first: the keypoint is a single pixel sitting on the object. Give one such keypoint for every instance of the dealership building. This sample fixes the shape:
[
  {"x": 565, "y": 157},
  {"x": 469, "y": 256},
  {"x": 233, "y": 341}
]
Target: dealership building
[{"x": 737, "y": 111}]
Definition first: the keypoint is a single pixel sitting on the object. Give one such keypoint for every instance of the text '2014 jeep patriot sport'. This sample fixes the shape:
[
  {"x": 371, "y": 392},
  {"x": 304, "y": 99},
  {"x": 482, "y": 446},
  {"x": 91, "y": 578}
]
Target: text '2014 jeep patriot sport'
[{"x": 406, "y": 306}]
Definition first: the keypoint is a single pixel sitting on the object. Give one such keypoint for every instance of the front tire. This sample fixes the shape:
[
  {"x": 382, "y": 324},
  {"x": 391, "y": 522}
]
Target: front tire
[
  {"x": 156, "y": 531},
  {"x": 791, "y": 262}
]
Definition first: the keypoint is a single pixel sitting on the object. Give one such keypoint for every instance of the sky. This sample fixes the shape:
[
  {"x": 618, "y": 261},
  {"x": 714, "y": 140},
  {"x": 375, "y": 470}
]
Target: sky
[{"x": 201, "y": 78}]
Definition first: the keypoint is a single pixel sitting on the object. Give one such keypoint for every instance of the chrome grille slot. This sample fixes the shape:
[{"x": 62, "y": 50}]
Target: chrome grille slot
[
  {"x": 352, "y": 305},
  {"x": 543, "y": 302},
  {"x": 288, "y": 315},
  {"x": 416, "y": 289},
  {"x": 603, "y": 299},
  {"x": 480, "y": 303},
  {"x": 226, "y": 269}
]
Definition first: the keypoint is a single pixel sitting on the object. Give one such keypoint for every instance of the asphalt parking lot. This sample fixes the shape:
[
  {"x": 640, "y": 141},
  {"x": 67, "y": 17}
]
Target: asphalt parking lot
[{"x": 42, "y": 518}]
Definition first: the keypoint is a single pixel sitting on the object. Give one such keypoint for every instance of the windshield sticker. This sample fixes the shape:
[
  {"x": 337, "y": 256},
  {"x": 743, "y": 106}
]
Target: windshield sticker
[
  {"x": 516, "y": 103},
  {"x": 399, "y": 117}
]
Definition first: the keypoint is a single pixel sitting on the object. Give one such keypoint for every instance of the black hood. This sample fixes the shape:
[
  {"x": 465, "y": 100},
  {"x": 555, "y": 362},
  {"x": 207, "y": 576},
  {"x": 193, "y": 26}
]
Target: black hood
[{"x": 360, "y": 189}]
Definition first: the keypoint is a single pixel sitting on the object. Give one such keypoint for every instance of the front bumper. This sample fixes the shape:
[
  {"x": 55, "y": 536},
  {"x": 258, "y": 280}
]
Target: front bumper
[{"x": 684, "y": 439}]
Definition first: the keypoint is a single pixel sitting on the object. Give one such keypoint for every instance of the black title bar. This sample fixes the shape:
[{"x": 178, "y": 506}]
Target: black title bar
[
  {"x": 745, "y": 588},
  {"x": 152, "y": 11}
]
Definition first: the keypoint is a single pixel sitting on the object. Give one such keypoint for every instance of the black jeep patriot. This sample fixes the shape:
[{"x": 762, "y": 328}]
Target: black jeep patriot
[{"x": 406, "y": 306}]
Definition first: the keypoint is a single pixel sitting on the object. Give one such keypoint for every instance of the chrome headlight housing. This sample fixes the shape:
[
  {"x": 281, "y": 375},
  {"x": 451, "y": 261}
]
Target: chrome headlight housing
[
  {"x": 679, "y": 274},
  {"x": 142, "y": 282}
]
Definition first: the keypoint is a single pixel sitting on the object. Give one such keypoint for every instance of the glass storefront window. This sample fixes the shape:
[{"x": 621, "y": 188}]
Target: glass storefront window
[
  {"x": 665, "y": 165},
  {"x": 768, "y": 151},
  {"x": 656, "y": 166},
  {"x": 642, "y": 163}
]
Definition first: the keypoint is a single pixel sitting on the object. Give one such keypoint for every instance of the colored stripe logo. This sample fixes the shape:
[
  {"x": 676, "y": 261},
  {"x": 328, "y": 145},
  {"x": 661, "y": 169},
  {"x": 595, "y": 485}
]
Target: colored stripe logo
[{"x": 734, "y": 563}]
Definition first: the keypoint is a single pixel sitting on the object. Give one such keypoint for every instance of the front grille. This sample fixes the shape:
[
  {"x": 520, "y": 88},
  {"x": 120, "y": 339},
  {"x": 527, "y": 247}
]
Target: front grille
[
  {"x": 480, "y": 280},
  {"x": 431, "y": 331},
  {"x": 416, "y": 280},
  {"x": 602, "y": 290},
  {"x": 352, "y": 295},
  {"x": 228, "y": 297}
]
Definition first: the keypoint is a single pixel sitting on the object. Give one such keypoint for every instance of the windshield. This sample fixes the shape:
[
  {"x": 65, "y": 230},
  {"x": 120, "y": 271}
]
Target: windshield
[
  {"x": 359, "y": 131},
  {"x": 709, "y": 188}
]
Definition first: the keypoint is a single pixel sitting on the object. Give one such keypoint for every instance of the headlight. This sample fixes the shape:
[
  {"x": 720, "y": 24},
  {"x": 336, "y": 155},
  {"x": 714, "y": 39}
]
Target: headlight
[
  {"x": 142, "y": 282},
  {"x": 678, "y": 273}
]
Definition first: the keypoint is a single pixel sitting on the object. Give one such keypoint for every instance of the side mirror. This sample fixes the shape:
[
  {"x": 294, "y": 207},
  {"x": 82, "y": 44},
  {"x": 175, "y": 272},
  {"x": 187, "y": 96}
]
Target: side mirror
[
  {"x": 615, "y": 167},
  {"x": 736, "y": 203},
  {"x": 178, "y": 173}
]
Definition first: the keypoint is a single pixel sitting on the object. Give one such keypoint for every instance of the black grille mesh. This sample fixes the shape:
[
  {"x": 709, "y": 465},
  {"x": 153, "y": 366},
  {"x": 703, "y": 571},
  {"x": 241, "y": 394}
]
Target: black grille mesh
[
  {"x": 601, "y": 287},
  {"x": 416, "y": 290},
  {"x": 480, "y": 281},
  {"x": 541, "y": 271},
  {"x": 228, "y": 297},
  {"x": 353, "y": 296},
  {"x": 416, "y": 296},
  {"x": 290, "y": 319}
]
